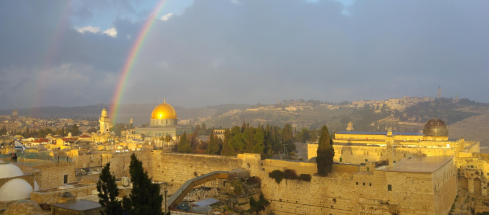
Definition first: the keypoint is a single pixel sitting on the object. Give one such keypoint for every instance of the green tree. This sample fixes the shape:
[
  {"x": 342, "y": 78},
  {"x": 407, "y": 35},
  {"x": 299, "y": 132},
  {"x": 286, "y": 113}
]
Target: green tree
[
  {"x": 145, "y": 197},
  {"x": 108, "y": 192},
  {"x": 314, "y": 135},
  {"x": 166, "y": 138},
  {"x": 117, "y": 128},
  {"x": 288, "y": 138},
  {"x": 75, "y": 131},
  {"x": 184, "y": 144},
  {"x": 92, "y": 130},
  {"x": 213, "y": 147},
  {"x": 204, "y": 127},
  {"x": 63, "y": 131},
  {"x": 226, "y": 150},
  {"x": 325, "y": 153},
  {"x": 306, "y": 136}
]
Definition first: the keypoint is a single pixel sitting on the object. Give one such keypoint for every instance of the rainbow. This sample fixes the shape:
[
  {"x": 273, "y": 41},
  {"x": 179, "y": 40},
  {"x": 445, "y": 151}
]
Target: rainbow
[{"x": 131, "y": 58}]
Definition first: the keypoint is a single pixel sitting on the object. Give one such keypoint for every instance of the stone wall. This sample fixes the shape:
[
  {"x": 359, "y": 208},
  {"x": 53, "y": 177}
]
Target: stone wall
[
  {"x": 354, "y": 189},
  {"x": 52, "y": 175},
  {"x": 119, "y": 163},
  {"x": 178, "y": 168},
  {"x": 445, "y": 183}
]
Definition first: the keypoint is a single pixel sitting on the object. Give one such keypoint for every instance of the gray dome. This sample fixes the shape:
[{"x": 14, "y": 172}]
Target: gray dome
[{"x": 436, "y": 128}]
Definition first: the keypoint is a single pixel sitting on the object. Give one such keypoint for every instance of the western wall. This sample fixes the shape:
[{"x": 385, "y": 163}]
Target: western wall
[{"x": 349, "y": 189}]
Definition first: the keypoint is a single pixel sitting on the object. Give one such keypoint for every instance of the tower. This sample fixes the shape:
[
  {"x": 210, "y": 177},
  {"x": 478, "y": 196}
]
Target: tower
[
  {"x": 104, "y": 122},
  {"x": 439, "y": 91},
  {"x": 130, "y": 121},
  {"x": 389, "y": 140}
]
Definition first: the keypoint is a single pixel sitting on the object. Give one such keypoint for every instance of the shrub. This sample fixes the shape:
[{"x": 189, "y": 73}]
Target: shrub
[
  {"x": 253, "y": 180},
  {"x": 305, "y": 177},
  {"x": 237, "y": 187},
  {"x": 277, "y": 175},
  {"x": 290, "y": 174}
]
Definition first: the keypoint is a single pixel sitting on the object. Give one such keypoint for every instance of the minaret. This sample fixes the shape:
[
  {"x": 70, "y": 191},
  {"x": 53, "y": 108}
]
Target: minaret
[
  {"x": 390, "y": 147},
  {"x": 439, "y": 91},
  {"x": 130, "y": 121},
  {"x": 104, "y": 122}
]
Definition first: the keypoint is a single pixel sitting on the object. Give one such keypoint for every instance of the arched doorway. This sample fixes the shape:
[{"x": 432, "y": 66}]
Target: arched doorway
[
  {"x": 463, "y": 183},
  {"x": 477, "y": 186}
]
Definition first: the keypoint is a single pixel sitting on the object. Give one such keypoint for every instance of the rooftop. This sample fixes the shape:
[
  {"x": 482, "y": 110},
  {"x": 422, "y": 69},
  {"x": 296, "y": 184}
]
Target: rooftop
[
  {"x": 425, "y": 164},
  {"x": 78, "y": 205},
  {"x": 380, "y": 133}
]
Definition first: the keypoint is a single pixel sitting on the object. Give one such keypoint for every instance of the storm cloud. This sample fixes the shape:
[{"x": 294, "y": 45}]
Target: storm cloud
[{"x": 222, "y": 51}]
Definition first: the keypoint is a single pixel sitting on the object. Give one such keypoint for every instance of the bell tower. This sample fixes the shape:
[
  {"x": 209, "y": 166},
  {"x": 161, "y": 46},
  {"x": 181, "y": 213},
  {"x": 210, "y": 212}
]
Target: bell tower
[{"x": 104, "y": 122}]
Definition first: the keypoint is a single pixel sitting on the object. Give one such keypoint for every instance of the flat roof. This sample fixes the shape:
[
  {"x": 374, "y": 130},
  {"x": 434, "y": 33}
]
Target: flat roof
[
  {"x": 380, "y": 133},
  {"x": 79, "y": 205},
  {"x": 424, "y": 164}
]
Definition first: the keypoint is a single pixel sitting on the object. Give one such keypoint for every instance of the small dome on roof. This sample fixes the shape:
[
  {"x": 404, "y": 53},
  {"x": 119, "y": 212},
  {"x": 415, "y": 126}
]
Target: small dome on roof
[
  {"x": 15, "y": 189},
  {"x": 436, "y": 128},
  {"x": 9, "y": 170}
]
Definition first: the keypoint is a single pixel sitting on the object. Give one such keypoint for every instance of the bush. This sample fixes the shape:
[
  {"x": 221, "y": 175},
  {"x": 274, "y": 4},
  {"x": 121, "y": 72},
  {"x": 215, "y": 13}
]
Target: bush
[
  {"x": 305, "y": 177},
  {"x": 277, "y": 175},
  {"x": 253, "y": 180},
  {"x": 290, "y": 174}
]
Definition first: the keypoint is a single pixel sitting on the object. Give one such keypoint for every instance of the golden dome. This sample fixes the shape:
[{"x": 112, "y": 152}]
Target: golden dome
[{"x": 164, "y": 111}]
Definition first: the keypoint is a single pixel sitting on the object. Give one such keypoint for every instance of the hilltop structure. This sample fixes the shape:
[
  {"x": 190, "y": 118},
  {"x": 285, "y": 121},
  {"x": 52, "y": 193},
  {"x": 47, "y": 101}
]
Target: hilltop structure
[
  {"x": 104, "y": 122},
  {"x": 164, "y": 121}
]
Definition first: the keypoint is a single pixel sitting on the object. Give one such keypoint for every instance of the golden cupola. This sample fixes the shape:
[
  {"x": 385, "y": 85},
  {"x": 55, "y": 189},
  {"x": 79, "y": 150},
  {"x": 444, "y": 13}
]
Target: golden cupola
[{"x": 164, "y": 111}]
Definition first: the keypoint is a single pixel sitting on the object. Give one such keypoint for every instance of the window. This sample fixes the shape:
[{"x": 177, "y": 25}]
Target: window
[
  {"x": 357, "y": 183},
  {"x": 363, "y": 184},
  {"x": 389, "y": 187},
  {"x": 366, "y": 160},
  {"x": 66, "y": 179},
  {"x": 368, "y": 169},
  {"x": 369, "y": 184},
  {"x": 341, "y": 160}
]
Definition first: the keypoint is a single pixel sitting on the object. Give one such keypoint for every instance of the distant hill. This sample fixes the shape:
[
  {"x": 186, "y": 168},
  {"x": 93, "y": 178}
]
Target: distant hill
[
  {"x": 140, "y": 113},
  {"x": 475, "y": 128}
]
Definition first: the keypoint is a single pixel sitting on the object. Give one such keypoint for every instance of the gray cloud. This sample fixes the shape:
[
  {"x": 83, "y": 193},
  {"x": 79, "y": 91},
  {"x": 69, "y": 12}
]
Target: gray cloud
[{"x": 253, "y": 51}]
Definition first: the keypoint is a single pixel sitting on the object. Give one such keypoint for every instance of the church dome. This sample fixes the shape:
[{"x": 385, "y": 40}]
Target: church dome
[
  {"x": 164, "y": 111},
  {"x": 436, "y": 128},
  {"x": 9, "y": 170}
]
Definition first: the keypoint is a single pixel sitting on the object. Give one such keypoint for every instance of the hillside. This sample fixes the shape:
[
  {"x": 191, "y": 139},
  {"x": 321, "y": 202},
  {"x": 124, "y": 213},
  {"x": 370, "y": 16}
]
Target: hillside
[{"x": 475, "y": 128}]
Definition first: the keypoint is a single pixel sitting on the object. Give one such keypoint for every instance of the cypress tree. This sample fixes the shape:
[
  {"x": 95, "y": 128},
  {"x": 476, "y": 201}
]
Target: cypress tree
[
  {"x": 325, "y": 153},
  {"x": 145, "y": 197},
  {"x": 107, "y": 192},
  {"x": 225, "y": 145},
  {"x": 213, "y": 147},
  {"x": 184, "y": 144}
]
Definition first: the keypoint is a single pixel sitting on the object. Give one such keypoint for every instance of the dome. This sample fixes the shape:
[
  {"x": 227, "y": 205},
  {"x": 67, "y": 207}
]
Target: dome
[
  {"x": 164, "y": 111},
  {"x": 9, "y": 170},
  {"x": 15, "y": 189},
  {"x": 23, "y": 207},
  {"x": 436, "y": 128}
]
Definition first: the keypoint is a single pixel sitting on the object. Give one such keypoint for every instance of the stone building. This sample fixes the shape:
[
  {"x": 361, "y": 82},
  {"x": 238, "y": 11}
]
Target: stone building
[
  {"x": 104, "y": 122},
  {"x": 363, "y": 147},
  {"x": 164, "y": 121}
]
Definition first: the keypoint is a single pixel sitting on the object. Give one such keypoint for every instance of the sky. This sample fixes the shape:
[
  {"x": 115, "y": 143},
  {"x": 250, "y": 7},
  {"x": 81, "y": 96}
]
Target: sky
[{"x": 209, "y": 52}]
